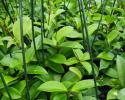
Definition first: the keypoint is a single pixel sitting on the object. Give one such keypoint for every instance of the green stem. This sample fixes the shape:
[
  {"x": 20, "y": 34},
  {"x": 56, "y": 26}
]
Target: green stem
[{"x": 23, "y": 50}]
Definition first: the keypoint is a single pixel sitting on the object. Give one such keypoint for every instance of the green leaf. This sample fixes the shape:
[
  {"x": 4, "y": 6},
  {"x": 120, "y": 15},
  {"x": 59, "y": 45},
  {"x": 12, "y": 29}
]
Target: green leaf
[
  {"x": 70, "y": 76},
  {"x": 112, "y": 73},
  {"x": 76, "y": 71},
  {"x": 112, "y": 94},
  {"x": 58, "y": 58},
  {"x": 89, "y": 98},
  {"x": 120, "y": 64},
  {"x": 15, "y": 94},
  {"x": 106, "y": 55},
  {"x": 71, "y": 44},
  {"x": 81, "y": 85},
  {"x": 49, "y": 42},
  {"x": 67, "y": 31},
  {"x": 56, "y": 67},
  {"x": 71, "y": 61},
  {"x": 104, "y": 64},
  {"x": 52, "y": 86},
  {"x": 59, "y": 11},
  {"x": 34, "y": 90},
  {"x": 20, "y": 86},
  {"x": 80, "y": 55},
  {"x": 87, "y": 66},
  {"x": 92, "y": 28},
  {"x": 35, "y": 69},
  {"x": 26, "y": 28},
  {"x": 112, "y": 35},
  {"x": 29, "y": 54},
  {"x": 8, "y": 80},
  {"x": 11, "y": 62},
  {"x": 121, "y": 94},
  {"x": 68, "y": 84},
  {"x": 59, "y": 96}
]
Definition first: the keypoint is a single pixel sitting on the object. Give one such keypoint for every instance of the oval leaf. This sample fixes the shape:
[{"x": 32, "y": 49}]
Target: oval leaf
[
  {"x": 52, "y": 86},
  {"x": 84, "y": 84}
]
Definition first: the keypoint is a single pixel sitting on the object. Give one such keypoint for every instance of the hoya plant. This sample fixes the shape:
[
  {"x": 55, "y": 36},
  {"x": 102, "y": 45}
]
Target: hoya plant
[{"x": 62, "y": 50}]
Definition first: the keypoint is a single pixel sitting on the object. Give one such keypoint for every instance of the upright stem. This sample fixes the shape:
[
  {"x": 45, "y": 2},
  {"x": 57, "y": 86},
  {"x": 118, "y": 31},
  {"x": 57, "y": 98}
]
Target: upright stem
[
  {"x": 88, "y": 46},
  {"x": 33, "y": 35},
  {"x": 42, "y": 30},
  {"x": 23, "y": 50}
]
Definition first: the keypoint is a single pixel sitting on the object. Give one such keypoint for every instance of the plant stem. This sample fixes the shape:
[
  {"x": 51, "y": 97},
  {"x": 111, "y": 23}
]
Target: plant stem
[
  {"x": 42, "y": 30},
  {"x": 23, "y": 50},
  {"x": 89, "y": 47},
  {"x": 33, "y": 35}
]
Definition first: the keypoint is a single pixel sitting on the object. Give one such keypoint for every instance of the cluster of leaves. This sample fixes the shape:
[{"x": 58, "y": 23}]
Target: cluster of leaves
[{"x": 63, "y": 70}]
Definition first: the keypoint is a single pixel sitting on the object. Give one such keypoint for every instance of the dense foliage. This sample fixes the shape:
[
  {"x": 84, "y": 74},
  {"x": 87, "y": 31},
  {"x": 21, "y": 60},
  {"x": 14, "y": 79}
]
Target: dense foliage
[{"x": 61, "y": 68}]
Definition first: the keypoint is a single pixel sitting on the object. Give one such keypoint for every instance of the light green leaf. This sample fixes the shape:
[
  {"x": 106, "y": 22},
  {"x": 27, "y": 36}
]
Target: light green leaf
[
  {"x": 120, "y": 64},
  {"x": 106, "y": 55},
  {"x": 76, "y": 71},
  {"x": 34, "y": 91},
  {"x": 58, "y": 58},
  {"x": 71, "y": 61},
  {"x": 80, "y": 55},
  {"x": 20, "y": 86},
  {"x": 81, "y": 85},
  {"x": 89, "y": 98},
  {"x": 8, "y": 80},
  {"x": 112, "y": 94},
  {"x": 67, "y": 31},
  {"x": 112, "y": 35},
  {"x": 26, "y": 28},
  {"x": 11, "y": 62},
  {"x": 49, "y": 42},
  {"x": 104, "y": 64},
  {"x": 35, "y": 69},
  {"x": 15, "y": 94},
  {"x": 71, "y": 44},
  {"x": 52, "y": 86},
  {"x": 71, "y": 77},
  {"x": 29, "y": 54},
  {"x": 92, "y": 28},
  {"x": 87, "y": 66},
  {"x": 56, "y": 67},
  {"x": 59, "y": 96},
  {"x": 121, "y": 94},
  {"x": 112, "y": 73},
  {"x": 59, "y": 11}
]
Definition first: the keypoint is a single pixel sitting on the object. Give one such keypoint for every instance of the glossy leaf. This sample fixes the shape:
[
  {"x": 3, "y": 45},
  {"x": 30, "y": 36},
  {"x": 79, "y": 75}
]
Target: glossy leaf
[
  {"x": 56, "y": 67},
  {"x": 71, "y": 44},
  {"x": 87, "y": 66},
  {"x": 15, "y": 94},
  {"x": 120, "y": 63},
  {"x": 34, "y": 69},
  {"x": 92, "y": 28},
  {"x": 121, "y": 94},
  {"x": 106, "y": 55},
  {"x": 76, "y": 71},
  {"x": 58, "y": 58},
  {"x": 81, "y": 85},
  {"x": 80, "y": 55},
  {"x": 59, "y": 96},
  {"x": 112, "y": 35},
  {"x": 26, "y": 28},
  {"x": 112, "y": 94},
  {"x": 52, "y": 86}
]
